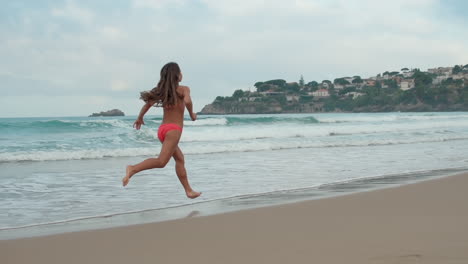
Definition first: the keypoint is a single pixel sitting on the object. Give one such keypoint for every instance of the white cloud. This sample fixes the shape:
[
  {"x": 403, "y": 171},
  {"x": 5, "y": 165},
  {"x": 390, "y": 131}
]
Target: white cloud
[
  {"x": 74, "y": 12},
  {"x": 113, "y": 33},
  {"x": 119, "y": 85},
  {"x": 237, "y": 8},
  {"x": 308, "y": 6},
  {"x": 157, "y": 4},
  {"x": 96, "y": 101}
]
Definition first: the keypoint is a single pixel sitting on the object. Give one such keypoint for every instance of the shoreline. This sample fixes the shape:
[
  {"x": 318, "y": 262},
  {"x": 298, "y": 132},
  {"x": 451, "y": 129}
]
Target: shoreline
[
  {"x": 226, "y": 204},
  {"x": 406, "y": 224},
  {"x": 335, "y": 112},
  {"x": 160, "y": 115}
]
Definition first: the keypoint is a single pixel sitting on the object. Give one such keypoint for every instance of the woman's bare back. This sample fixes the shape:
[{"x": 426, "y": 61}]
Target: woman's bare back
[{"x": 175, "y": 114}]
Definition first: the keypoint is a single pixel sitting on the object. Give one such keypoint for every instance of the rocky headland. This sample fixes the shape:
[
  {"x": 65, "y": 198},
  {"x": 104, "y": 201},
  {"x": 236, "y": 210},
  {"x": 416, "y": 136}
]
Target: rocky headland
[{"x": 113, "y": 112}]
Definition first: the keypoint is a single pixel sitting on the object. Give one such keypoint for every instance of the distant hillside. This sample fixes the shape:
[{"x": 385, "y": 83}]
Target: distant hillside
[
  {"x": 113, "y": 112},
  {"x": 437, "y": 89}
]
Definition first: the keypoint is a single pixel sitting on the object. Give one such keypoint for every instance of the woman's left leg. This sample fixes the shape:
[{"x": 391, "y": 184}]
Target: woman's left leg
[{"x": 167, "y": 150}]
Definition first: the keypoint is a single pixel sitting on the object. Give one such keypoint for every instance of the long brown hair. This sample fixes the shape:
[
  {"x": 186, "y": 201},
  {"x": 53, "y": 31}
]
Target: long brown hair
[{"x": 165, "y": 93}]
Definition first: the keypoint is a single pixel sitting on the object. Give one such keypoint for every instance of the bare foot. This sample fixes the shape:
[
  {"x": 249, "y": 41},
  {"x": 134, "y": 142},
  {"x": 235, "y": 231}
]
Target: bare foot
[
  {"x": 129, "y": 174},
  {"x": 193, "y": 194}
]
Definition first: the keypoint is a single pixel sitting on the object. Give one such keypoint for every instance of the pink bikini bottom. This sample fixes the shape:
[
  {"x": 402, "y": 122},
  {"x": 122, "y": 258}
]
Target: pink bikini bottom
[{"x": 164, "y": 128}]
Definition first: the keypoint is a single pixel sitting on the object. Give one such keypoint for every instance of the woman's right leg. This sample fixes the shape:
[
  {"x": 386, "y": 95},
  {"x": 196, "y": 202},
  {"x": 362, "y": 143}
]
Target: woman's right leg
[
  {"x": 182, "y": 173},
  {"x": 167, "y": 150}
]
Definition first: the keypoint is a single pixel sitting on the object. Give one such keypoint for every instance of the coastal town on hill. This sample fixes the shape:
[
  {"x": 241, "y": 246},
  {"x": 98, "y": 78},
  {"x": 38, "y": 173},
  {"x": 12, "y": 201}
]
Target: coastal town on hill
[{"x": 437, "y": 89}]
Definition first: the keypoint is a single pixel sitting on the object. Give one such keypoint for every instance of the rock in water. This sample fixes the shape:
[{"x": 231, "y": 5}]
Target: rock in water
[{"x": 113, "y": 112}]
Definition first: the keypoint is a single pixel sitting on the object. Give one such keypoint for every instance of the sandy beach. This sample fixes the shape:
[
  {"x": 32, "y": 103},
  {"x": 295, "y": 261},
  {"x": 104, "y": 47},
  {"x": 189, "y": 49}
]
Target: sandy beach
[{"x": 424, "y": 222}]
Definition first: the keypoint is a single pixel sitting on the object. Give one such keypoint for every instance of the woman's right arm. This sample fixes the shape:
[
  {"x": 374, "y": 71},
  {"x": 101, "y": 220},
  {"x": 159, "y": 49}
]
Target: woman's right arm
[{"x": 143, "y": 111}]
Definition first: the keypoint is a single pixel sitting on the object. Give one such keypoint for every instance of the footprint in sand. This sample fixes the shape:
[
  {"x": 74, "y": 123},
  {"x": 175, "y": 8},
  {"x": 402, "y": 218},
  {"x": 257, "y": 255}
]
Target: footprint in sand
[
  {"x": 406, "y": 259},
  {"x": 417, "y": 258},
  {"x": 193, "y": 214}
]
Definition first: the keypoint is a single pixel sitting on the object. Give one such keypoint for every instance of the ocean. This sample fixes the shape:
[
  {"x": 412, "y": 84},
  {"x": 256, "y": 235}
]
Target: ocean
[{"x": 62, "y": 173}]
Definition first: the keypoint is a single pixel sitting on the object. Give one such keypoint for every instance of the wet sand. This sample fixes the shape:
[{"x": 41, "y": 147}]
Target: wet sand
[{"x": 425, "y": 222}]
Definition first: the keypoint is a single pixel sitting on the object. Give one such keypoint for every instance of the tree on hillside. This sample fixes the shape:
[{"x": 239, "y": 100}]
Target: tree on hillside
[
  {"x": 258, "y": 84},
  {"x": 264, "y": 87},
  {"x": 305, "y": 99},
  {"x": 422, "y": 78},
  {"x": 301, "y": 81},
  {"x": 332, "y": 92},
  {"x": 238, "y": 94},
  {"x": 313, "y": 85},
  {"x": 391, "y": 84},
  {"x": 448, "y": 81},
  {"x": 404, "y": 69},
  {"x": 464, "y": 98},
  {"x": 357, "y": 79},
  {"x": 347, "y": 90},
  {"x": 393, "y": 73},
  {"x": 457, "y": 69},
  {"x": 292, "y": 87},
  {"x": 378, "y": 84},
  {"x": 219, "y": 99},
  {"x": 278, "y": 82},
  {"x": 458, "y": 83},
  {"x": 341, "y": 81},
  {"x": 423, "y": 82}
]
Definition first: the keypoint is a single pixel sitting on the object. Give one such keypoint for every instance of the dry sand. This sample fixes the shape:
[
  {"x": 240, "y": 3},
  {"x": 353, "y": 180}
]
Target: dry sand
[{"x": 418, "y": 223}]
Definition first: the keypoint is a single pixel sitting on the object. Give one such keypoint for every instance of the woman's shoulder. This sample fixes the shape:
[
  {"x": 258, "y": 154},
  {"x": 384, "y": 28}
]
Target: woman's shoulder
[
  {"x": 183, "y": 90},
  {"x": 183, "y": 87}
]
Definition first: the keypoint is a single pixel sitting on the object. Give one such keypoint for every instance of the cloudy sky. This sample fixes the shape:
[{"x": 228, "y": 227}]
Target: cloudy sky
[{"x": 72, "y": 58}]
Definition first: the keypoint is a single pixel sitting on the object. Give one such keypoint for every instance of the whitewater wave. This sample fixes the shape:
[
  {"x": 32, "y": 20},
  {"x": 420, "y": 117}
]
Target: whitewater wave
[
  {"x": 271, "y": 120},
  {"x": 70, "y": 139},
  {"x": 225, "y": 147},
  {"x": 208, "y": 122},
  {"x": 227, "y": 133},
  {"x": 60, "y": 124},
  {"x": 386, "y": 118}
]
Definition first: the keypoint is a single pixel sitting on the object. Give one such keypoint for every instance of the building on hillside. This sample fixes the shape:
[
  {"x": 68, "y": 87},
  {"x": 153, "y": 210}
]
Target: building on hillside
[
  {"x": 271, "y": 93},
  {"x": 407, "y": 84},
  {"x": 441, "y": 70},
  {"x": 354, "y": 94},
  {"x": 320, "y": 93},
  {"x": 408, "y": 74},
  {"x": 397, "y": 79},
  {"x": 339, "y": 86},
  {"x": 459, "y": 76},
  {"x": 369, "y": 82},
  {"x": 325, "y": 85},
  {"x": 439, "y": 79},
  {"x": 254, "y": 98},
  {"x": 292, "y": 98}
]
